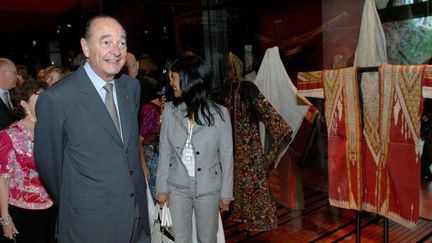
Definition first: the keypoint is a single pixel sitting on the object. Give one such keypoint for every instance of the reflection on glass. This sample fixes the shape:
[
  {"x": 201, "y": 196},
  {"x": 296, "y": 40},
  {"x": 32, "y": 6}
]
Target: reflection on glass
[
  {"x": 406, "y": 2},
  {"x": 409, "y": 41}
]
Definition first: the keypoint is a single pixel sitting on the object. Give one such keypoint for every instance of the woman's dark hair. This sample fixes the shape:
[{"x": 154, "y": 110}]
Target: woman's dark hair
[
  {"x": 195, "y": 88},
  {"x": 23, "y": 92}
]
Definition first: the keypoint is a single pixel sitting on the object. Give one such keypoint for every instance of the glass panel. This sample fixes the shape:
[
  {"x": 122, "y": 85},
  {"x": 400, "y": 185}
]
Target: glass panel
[
  {"x": 406, "y": 2},
  {"x": 409, "y": 41}
]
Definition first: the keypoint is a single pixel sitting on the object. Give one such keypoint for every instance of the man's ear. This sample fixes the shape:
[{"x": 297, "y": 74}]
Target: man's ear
[{"x": 85, "y": 47}]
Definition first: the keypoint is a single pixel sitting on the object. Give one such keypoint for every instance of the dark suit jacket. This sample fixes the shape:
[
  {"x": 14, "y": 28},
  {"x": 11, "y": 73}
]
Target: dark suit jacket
[
  {"x": 6, "y": 117},
  {"x": 94, "y": 178}
]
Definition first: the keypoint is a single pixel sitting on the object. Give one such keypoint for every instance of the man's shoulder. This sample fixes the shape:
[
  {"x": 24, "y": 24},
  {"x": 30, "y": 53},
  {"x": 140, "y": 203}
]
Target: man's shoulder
[
  {"x": 128, "y": 81},
  {"x": 64, "y": 87},
  {"x": 73, "y": 79}
]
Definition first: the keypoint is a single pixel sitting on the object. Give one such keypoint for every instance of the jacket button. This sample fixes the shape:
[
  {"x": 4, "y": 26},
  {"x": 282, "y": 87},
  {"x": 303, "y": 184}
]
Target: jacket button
[
  {"x": 131, "y": 172},
  {"x": 170, "y": 164},
  {"x": 132, "y": 194},
  {"x": 197, "y": 152},
  {"x": 199, "y": 169}
]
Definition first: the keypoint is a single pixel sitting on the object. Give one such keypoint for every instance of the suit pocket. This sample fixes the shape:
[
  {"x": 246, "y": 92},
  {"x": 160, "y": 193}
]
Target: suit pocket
[
  {"x": 83, "y": 203},
  {"x": 172, "y": 172},
  {"x": 215, "y": 170},
  {"x": 93, "y": 218}
]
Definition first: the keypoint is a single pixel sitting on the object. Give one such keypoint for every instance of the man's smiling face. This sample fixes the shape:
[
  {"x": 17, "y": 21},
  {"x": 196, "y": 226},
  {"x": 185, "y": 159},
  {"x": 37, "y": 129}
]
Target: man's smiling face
[{"x": 105, "y": 47}]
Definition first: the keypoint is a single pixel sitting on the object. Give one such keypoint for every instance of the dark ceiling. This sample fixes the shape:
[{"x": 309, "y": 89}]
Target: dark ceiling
[
  {"x": 30, "y": 28},
  {"x": 27, "y": 24},
  {"x": 24, "y": 15}
]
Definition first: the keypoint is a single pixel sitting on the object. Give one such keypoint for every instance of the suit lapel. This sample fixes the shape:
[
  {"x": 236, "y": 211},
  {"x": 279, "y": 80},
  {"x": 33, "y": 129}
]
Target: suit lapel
[
  {"x": 179, "y": 114},
  {"x": 93, "y": 103},
  {"x": 4, "y": 107},
  {"x": 123, "y": 106}
]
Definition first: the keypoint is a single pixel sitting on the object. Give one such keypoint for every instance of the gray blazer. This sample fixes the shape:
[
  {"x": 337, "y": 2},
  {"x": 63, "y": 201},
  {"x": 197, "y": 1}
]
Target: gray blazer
[
  {"x": 213, "y": 149},
  {"x": 94, "y": 177}
]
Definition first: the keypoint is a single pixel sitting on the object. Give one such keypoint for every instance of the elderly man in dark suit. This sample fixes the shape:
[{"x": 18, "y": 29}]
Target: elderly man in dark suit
[
  {"x": 8, "y": 81},
  {"x": 87, "y": 147}
]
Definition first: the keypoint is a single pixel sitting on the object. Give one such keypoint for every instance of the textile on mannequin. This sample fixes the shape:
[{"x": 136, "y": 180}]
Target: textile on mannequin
[
  {"x": 274, "y": 83},
  {"x": 371, "y": 46},
  {"x": 234, "y": 69},
  {"x": 247, "y": 106},
  {"x": 379, "y": 171}
]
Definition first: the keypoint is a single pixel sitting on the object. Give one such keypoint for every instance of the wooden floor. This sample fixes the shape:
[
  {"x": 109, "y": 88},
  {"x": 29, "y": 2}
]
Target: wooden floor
[{"x": 319, "y": 222}]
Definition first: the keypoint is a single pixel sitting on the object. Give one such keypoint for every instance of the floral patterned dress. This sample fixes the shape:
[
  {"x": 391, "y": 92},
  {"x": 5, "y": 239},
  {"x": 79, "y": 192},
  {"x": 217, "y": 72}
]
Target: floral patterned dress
[
  {"x": 149, "y": 130},
  {"x": 17, "y": 163},
  {"x": 254, "y": 205}
]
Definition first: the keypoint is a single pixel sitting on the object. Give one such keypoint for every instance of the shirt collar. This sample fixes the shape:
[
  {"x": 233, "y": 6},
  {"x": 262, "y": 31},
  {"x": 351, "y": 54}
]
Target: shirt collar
[
  {"x": 2, "y": 94},
  {"x": 97, "y": 81}
]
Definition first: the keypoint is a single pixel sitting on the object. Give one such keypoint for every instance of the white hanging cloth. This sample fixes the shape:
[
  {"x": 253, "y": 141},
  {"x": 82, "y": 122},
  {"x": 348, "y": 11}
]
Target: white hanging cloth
[
  {"x": 371, "y": 46},
  {"x": 276, "y": 86}
]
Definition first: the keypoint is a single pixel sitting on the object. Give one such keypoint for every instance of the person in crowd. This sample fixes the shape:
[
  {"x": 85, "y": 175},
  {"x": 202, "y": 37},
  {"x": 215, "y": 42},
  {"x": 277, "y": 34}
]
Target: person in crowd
[
  {"x": 147, "y": 77},
  {"x": 54, "y": 73},
  {"x": 40, "y": 74},
  {"x": 147, "y": 67},
  {"x": 131, "y": 65},
  {"x": 195, "y": 171},
  {"x": 78, "y": 60},
  {"x": 87, "y": 147},
  {"x": 22, "y": 73},
  {"x": 150, "y": 117},
  {"x": 8, "y": 81},
  {"x": 26, "y": 208}
]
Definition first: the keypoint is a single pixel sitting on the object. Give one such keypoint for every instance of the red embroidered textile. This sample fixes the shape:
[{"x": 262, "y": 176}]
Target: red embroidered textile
[{"x": 377, "y": 168}]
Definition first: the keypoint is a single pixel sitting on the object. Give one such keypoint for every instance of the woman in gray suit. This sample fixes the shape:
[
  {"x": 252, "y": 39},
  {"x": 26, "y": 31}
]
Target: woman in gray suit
[{"x": 195, "y": 171}]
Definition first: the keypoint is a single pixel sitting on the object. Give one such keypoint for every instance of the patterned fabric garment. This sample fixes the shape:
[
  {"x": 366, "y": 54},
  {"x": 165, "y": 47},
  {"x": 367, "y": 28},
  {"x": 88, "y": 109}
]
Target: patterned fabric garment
[
  {"x": 251, "y": 166},
  {"x": 379, "y": 170},
  {"x": 286, "y": 179},
  {"x": 149, "y": 130},
  {"x": 17, "y": 164},
  {"x": 391, "y": 161},
  {"x": 344, "y": 130},
  {"x": 274, "y": 83}
]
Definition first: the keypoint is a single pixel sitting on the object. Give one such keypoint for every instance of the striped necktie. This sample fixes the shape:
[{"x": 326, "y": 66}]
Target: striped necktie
[{"x": 8, "y": 102}]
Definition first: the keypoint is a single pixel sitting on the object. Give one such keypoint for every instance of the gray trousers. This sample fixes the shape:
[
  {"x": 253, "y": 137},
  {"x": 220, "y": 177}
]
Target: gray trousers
[{"x": 206, "y": 208}]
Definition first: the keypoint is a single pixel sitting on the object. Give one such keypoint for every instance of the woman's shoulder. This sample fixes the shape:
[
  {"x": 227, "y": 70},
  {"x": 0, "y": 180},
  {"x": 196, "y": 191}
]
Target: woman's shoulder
[
  {"x": 16, "y": 133},
  {"x": 217, "y": 106},
  {"x": 169, "y": 106},
  {"x": 150, "y": 107},
  {"x": 13, "y": 128},
  {"x": 5, "y": 136},
  {"x": 220, "y": 113}
]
